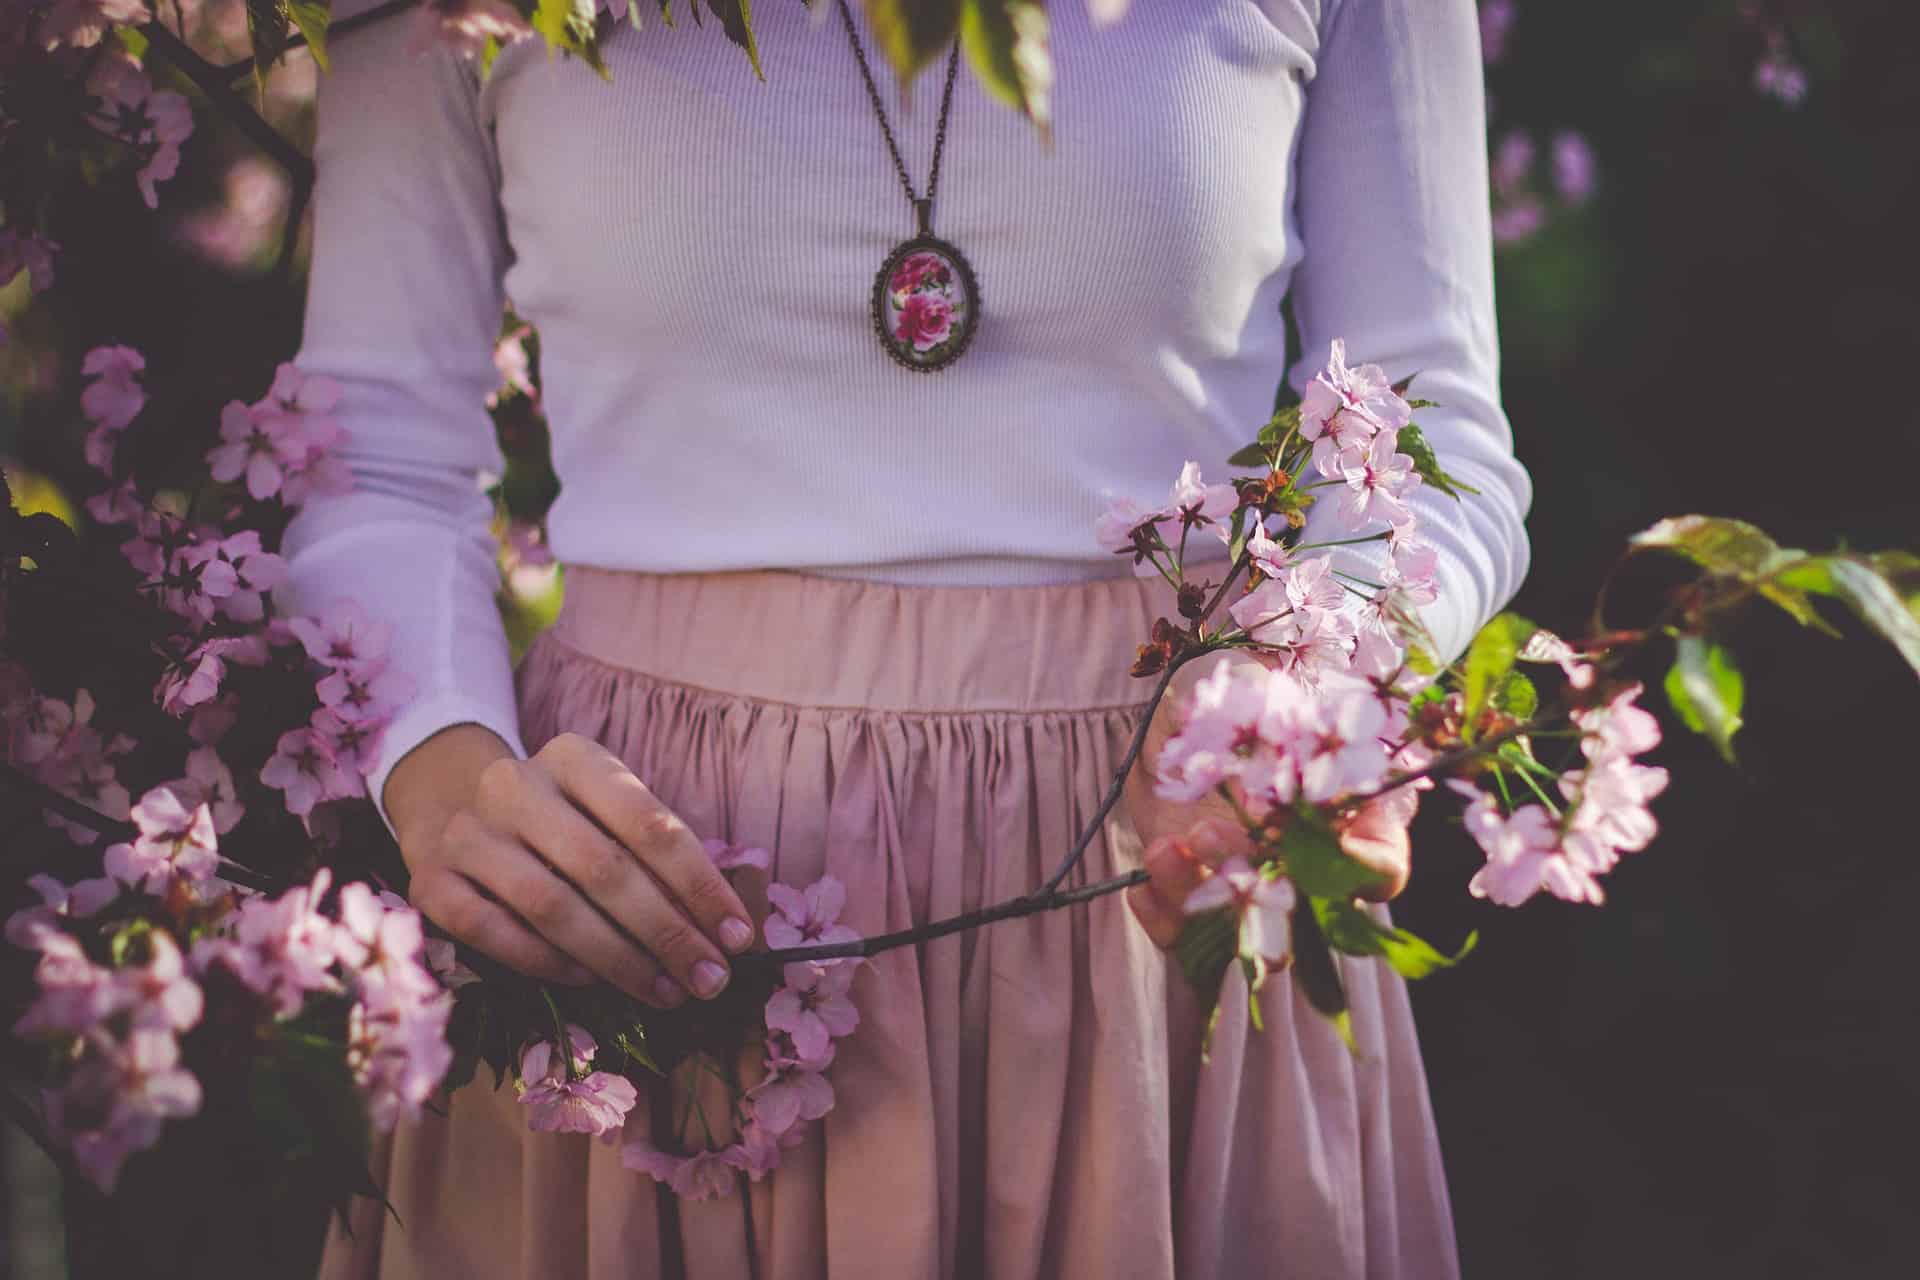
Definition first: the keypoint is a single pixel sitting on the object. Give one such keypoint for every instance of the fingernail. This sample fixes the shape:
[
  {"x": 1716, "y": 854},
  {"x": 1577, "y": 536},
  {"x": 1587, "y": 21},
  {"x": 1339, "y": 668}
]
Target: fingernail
[
  {"x": 735, "y": 934},
  {"x": 667, "y": 991},
  {"x": 708, "y": 978}
]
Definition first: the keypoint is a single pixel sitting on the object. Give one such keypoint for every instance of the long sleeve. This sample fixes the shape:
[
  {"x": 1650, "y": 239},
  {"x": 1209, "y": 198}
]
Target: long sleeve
[
  {"x": 403, "y": 304},
  {"x": 1393, "y": 212}
]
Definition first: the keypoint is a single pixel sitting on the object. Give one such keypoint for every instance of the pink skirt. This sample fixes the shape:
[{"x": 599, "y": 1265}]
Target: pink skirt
[{"x": 1024, "y": 1100}]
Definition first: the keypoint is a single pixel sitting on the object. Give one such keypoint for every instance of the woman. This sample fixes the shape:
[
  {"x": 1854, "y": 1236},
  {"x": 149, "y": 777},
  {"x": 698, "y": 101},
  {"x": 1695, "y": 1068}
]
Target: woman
[{"x": 854, "y": 613}]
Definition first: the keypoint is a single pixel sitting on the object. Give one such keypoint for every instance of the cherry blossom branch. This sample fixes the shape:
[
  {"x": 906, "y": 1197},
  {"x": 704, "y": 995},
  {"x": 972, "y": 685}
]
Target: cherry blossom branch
[
  {"x": 1013, "y": 908},
  {"x": 1118, "y": 786}
]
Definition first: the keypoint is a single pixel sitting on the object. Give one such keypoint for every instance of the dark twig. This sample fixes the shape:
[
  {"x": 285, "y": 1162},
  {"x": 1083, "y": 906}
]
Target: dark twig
[
  {"x": 211, "y": 81},
  {"x": 1031, "y": 904},
  {"x": 66, "y": 806}
]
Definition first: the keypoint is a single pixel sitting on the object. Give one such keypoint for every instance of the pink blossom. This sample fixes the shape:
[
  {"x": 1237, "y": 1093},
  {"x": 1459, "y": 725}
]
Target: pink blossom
[
  {"x": 919, "y": 270},
  {"x": 159, "y": 993},
  {"x": 398, "y": 1052},
  {"x": 58, "y": 901},
  {"x": 116, "y": 1101},
  {"x": 175, "y": 843},
  {"x": 208, "y": 781},
  {"x": 118, "y": 504},
  {"x": 1264, "y": 906},
  {"x": 382, "y": 944},
  {"x": 806, "y": 919},
  {"x": 1544, "y": 646},
  {"x": 1512, "y": 163},
  {"x": 1193, "y": 502},
  {"x": 281, "y": 948},
  {"x": 1378, "y": 481},
  {"x": 813, "y": 1006},
  {"x": 364, "y": 692},
  {"x": 75, "y": 994},
  {"x": 1119, "y": 528},
  {"x": 783, "y": 1101},
  {"x": 343, "y": 636},
  {"x": 114, "y": 397},
  {"x": 1524, "y": 854},
  {"x": 1518, "y": 220},
  {"x": 1618, "y": 728},
  {"x": 196, "y": 679},
  {"x": 157, "y": 534},
  {"x": 731, "y": 857},
  {"x": 925, "y": 320},
  {"x": 1267, "y": 555},
  {"x": 1344, "y": 751},
  {"x": 594, "y": 1103},
  {"x": 1496, "y": 23},
  {"x": 515, "y": 368},
  {"x": 81, "y": 23},
  {"x": 302, "y": 765},
  {"x": 251, "y": 445},
  {"x": 1573, "y": 168},
  {"x": 353, "y": 745},
  {"x": 704, "y": 1175},
  {"x": 255, "y": 571},
  {"x": 1344, "y": 408}
]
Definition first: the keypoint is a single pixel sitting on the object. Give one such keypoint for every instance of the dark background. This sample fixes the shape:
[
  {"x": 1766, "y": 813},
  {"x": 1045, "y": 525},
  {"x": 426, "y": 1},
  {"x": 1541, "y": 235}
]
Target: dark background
[{"x": 1712, "y": 1075}]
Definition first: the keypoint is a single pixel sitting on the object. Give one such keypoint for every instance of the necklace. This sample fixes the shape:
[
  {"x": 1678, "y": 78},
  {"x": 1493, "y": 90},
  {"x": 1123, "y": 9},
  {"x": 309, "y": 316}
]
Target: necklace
[{"x": 926, "y": 302}]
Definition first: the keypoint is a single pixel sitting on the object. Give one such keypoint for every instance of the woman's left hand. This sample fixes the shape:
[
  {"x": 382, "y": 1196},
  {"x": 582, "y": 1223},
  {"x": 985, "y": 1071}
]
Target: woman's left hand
[{"x": 1185, "y": 841}]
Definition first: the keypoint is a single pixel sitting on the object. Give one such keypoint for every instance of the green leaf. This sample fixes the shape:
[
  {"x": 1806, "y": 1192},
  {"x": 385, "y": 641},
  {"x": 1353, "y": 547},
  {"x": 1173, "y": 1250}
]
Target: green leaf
[
  {"x": 1707, "y": 690},
  {"x": 1006, "y": 43},
  {"x": 1351, "y": 928},
  {"x": 1867, "y": 584},
  {"x": 312, "y": 17},
  {"x": 1285, "y": 420},
  {"x": 1516, "y": 696},
  {"x": 1206, "y": 946},
  {"x": 267, "y": 32},
  {"x": 1314, "y": 860},
  {"x": 1717, "y": 544},
  {"x": 1317, "y": 975},
  {"x": 1490, "y": 657},
  {"x": 133, "y": 40},
  {"x": 568, "y": 25},
  {"x": 736, "y": 19},
  {"x": 912, "y": 33},
  {"x": 1253, "y": 455},
  {"x": 1412, "y": 443}
]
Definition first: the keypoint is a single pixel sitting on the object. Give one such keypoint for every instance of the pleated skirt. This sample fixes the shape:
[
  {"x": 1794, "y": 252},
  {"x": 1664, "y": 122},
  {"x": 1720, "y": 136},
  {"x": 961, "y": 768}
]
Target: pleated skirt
[{"x": 1023, "y": 1100}]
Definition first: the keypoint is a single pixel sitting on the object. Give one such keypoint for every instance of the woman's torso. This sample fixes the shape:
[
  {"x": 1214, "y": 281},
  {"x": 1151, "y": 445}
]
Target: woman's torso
[{"x": 696, "y": 249}]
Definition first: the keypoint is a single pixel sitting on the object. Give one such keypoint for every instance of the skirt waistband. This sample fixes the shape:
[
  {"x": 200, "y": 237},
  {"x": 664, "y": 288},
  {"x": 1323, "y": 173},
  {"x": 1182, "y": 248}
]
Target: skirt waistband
[{"x": 811, "y": 640}]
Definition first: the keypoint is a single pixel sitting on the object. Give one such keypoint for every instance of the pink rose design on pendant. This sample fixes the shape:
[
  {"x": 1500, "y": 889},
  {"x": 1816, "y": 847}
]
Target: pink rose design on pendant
[
  {"x": 925, "y": 320},
  {"x": 921, "y": 271}
]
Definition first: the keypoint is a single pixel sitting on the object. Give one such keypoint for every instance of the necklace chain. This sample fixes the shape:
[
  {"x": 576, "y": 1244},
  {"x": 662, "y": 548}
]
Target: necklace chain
[{"x": 940, "y": 134}]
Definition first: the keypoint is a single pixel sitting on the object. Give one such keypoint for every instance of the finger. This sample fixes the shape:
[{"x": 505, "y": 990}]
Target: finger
[
  {"x": 1161, "y": 922},
  {"x": 1176, "y": 872},
  {"x": 1375, "y": 840},
  {"x": 555, "y": 910},
  {"x": 1214, "y": 839},
  {"x": 451, "y": 901},
  {"x": 602, "y": 785},
  {"x": 612, "y": 879}
]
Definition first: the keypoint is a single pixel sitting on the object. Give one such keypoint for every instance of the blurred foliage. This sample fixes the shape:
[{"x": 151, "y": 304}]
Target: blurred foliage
[{"x": 1708, "y": 1076}]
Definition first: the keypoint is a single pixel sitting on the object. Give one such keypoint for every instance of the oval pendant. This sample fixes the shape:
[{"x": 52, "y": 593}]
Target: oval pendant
[{"x": 926, "y": 303}]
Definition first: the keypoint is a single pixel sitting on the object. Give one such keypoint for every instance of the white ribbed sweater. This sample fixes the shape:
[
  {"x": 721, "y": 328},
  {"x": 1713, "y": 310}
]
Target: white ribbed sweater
[{"x": 696, "y": 248}]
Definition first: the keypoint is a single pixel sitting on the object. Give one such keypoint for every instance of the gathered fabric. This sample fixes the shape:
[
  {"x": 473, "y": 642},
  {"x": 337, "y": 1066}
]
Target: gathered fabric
[{"x": 1022, "y": 1100}]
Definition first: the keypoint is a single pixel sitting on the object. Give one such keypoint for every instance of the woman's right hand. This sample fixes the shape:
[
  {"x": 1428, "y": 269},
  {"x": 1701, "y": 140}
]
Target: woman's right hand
[{"x": 563, "y": 866}]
